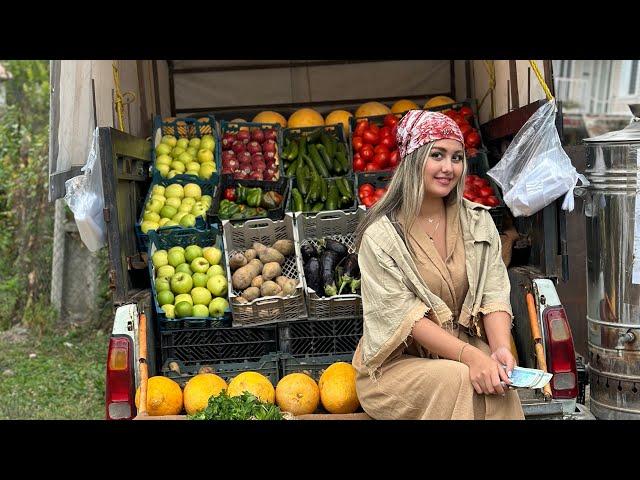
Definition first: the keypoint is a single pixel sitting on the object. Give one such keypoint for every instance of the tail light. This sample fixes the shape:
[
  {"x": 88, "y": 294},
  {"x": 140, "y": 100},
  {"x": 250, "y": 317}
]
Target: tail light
[
  {"x": 120, "y": 401},
  {"x": 561, "y": 357}
]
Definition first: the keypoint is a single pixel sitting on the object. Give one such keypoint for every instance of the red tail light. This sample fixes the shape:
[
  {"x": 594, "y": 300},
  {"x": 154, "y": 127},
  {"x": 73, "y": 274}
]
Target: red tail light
[
  {"x": 120, "y": 401},
  {"x": 561, "y": 357}
]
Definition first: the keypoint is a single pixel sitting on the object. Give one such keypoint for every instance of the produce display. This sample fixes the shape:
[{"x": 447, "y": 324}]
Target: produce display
[
  {"x": 269, "y": 116},
  {"x": 375, "y": 147},
  {"x": 251, "y": 154},
  {"x": 369, "y": 194},
  {"x": 242, "y": 407},
  {"x": 258, "y": 272},
  {"x": 338, "y": 388},
  {"x": 305, "y": 117},
  {"x": 244, "y": 202},
  {"x": 402, "y": 106},
  {"x": 190, "y": 282},
  {"x": 372, "y": 109},
  {"x": 164, "y": 397},
  {"x": 479, "y": 190},
  {"x": 339, "y": 116},
  {"x": 330, "y": 269},
  {"x": 174, "y": 205},
  {"x": 297, "y": 393},
  {"x": 195, "y": 156},
  {"x": 464, "y": 117}
]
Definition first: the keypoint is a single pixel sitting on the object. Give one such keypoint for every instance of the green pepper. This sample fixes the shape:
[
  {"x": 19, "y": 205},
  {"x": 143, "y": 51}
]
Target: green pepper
[
  {"x": 254, "y": 196},
  {"x": 241, "y": 194},
  {"x": 271, "y": 200}
]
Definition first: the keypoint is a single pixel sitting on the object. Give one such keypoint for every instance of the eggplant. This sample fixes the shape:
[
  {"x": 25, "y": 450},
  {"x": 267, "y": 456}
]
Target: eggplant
[
  {"x": 312, "y": 274},
  {"x": 334, "y": 246},
  {"x": 308, "y": 251},
  {"x": 350, "y": 273},
  {"x": 328, "y": 263}
]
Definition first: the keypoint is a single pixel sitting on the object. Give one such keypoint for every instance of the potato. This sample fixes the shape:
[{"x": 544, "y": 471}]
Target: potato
[
  {"x": 256, "y": 265},
  {"x": 241, "y": 300},
  {"x": 237, "y": 260},
  {"x": 285, "y": 247},
  {"x": 289, "y": 287},
  {"x": 271, "y": 270},
  {"x": 250, "y": 254},
  {"x": 270, "y": 288},
  {"x": 242, "y": 277},
  {"x": 271, "y": 255},
  {"x": 258, "y": 247},
  {"x": 257, "y": 282},
  {"x": 281, "y": 280},
  {"x": 251, "y": 293}
]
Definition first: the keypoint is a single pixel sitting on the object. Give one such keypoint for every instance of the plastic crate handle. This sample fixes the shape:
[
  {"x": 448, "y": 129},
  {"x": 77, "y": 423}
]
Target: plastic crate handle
[
  {"x": 330, "y": 215},
  {"x": 269, "y": 301},
  {"x": 258, "y": 223}
]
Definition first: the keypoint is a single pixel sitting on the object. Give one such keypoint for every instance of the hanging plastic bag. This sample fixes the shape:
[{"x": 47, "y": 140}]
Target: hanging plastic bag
[
  {"x": 85, "y": 199},
  {"x": 535, "y": 170}
]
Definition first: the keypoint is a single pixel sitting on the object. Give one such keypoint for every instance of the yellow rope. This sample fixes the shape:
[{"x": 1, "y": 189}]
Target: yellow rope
[
  {"x": 119, "y": 99},
  {"x": 543, "y": 84},
  {"x": 491, "y": 70}
]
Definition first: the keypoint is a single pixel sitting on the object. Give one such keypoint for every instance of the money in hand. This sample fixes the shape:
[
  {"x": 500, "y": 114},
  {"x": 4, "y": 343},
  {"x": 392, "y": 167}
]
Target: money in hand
[{"x": 529, "y": 378}]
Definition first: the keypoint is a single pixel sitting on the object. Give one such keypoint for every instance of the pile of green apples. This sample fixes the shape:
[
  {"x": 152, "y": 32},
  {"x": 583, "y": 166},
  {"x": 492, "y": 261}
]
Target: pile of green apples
[
  {"x": 190, "y": 282},
  {"x": 174, "y": 205},
  {"x": 186, "y": 156}
]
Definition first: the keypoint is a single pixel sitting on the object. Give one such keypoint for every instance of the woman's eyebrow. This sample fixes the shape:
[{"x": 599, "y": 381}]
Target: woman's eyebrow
[{"x": 457, "y": 152}]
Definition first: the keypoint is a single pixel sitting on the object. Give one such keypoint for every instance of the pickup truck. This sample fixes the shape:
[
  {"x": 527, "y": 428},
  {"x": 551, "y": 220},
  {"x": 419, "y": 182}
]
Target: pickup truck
[{"x": 125, "y": 161}]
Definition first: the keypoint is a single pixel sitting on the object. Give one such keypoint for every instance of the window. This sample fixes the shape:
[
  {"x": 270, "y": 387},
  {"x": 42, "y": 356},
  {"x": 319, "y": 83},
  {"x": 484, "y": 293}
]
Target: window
[
  {"x": 629, "y": 73},
  {"x": 633, "y": 78}
]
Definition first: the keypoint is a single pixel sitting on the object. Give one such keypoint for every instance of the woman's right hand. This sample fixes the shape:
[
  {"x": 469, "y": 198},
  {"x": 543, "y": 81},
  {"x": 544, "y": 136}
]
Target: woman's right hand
[{"x": 484, "y": 372}]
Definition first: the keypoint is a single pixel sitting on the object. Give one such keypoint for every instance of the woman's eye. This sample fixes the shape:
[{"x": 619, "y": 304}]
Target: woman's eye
[
  {"x": 436, "y": 154},
  {"x": 457, "y": 158}
]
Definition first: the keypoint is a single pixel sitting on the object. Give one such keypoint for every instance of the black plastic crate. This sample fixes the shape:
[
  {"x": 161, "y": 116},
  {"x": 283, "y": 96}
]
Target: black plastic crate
[
  {"x": 319, "y": 337},
  {"x": 233, "y": 344},
  {"x": 378, "y": 180},
  {"x": 335, "y": 130},
  {"x": 351, "y": 208},
  {"x": 314, "y": 366},
  {"x": 282, "y": 186},
  {"x": 268, "y": 365}
]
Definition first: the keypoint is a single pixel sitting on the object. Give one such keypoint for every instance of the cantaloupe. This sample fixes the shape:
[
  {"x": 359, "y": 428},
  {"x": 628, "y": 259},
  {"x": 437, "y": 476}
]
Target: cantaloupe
[
  {"x": 164, "y": 397},
  {"x": 339, "y": 116},
  {"x": 305, "y": 117},
  {"x": 269, "y": 116},
  {"x": 254, "y": 383},
  {"x": 402, "y": 106},
  {"x": 438, "y": 101},
  {"x": 198, "y": 390},
  {"x": 372, "y": 108},
  {"x": 298, "y": 394},
  {"x": 338, "y": 388}
]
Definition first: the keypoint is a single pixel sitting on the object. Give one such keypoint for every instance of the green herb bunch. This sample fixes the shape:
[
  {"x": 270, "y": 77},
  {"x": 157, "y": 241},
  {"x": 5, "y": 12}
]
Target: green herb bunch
[{"x": 243, "y": 407}]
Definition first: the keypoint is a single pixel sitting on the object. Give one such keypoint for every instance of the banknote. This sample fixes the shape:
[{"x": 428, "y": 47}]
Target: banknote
[{"x": 529, "y": 378}]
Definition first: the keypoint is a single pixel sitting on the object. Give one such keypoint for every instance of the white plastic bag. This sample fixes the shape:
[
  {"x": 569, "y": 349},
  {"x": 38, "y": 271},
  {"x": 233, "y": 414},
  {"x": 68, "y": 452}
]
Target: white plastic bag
[
  {"x": 535, "y": 170},
  {"x": 85, "y": 199}
]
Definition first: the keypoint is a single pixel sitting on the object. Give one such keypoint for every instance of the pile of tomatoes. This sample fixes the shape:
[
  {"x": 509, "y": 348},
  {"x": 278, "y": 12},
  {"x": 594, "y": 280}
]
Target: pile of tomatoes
[
  {"x": 374, "y": 147},
  {"x": 369, "y": 195},
  {"x": 478, "y": 190},
  {"x": 464, "y": 118}
]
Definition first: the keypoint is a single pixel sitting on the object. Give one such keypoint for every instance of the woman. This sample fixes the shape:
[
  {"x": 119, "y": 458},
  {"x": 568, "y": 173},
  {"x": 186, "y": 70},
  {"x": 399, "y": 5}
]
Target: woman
[{"x": 435, "y": 291}]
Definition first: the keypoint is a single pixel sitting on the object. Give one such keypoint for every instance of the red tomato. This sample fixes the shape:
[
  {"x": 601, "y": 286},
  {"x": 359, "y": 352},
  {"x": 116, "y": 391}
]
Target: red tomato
[
  {"x": 466, "y": 112},
  {"x": 381, "y": 148},
  {"x": 390, "y": 120},
  {"x": 361, "y": 126},
  {"x": 472, "y": 139},
  {"x": 366, "y": 152},
  {"x": 394, "y": 159},
  {"x": 365, "y": 190},
  {"x": 357, "y": 143},
  {"x": 379, "y": 193},
  {"x": 481, "y": 182},
  {"x": 388, "y": 142},
  {"x": 374, "y": 128},
  {"x": 468, "y": 195},
  {"x": 370, "y": 137},
  {"x": 485, "y": 191},
  {"x": 372, "y": 167},
  {"x": 492, "y": 201},
  {"x": 384, "y": 131},
  {"x": 455, "y": 116},
  {"x": 358, "y": 163},
  {"x": 368, "y": 201},
  {"x": 381, "y": 158},
  {"x": 465, "y": 128},
  {"x": 230, "y": 194}
]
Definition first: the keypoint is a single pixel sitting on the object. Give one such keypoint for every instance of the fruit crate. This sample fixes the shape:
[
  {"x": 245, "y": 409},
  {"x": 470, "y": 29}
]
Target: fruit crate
[
  {"x": 457, "y": 106},
  {"x": 351, "y": 208},
  {"x": 319, "y": 337},
  {"x": 235, "y": 127},
  {"x": 377, "y": 120},
  {"x": 184, "y": 237},
  {"x": 228, "y": 344},
  {"x": 267, "y": 365},
  {"x": 264, "y": 310},
  {"x": 282, "y": 186},
  {"x": 314, "y": 366},
  {"x": 336, "y": 130},
  {"x": 340, "y": 226},
  {"x": 378, "y": 180},
  {"x": 479, "y": 165},
  {"x": 201, "y": 223},
  {"x": 185, "y": 128}
]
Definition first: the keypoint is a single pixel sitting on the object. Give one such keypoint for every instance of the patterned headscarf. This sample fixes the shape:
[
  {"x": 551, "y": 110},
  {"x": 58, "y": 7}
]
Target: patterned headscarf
[{"x": 419, "y": 127}]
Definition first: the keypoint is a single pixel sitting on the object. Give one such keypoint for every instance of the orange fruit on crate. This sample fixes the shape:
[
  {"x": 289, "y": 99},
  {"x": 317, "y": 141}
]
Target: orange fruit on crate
[
  {"x": 199, "y": 389},
  {"x": 338, "y": 388},
  {"x": 438, "y": 101},
  {"x": 339, "y": 116},
  {"x": 254, "y": 383},
  {"x": 370, "y": 109},
  {"x": 269, "y": 116},
  {"x": 402, "y": 106},
  {"x": 305, "y": 117},
  {"x": 164, "y": 397},
  {"x": 298, "y": 394}
]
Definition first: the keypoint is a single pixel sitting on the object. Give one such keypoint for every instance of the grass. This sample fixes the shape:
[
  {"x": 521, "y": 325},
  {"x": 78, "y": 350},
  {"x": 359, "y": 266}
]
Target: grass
[{"x": 65, "y": 379}]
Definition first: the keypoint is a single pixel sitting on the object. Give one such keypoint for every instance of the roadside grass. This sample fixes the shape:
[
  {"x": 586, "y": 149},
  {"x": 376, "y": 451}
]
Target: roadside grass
[{"x": 65, "y": 379}]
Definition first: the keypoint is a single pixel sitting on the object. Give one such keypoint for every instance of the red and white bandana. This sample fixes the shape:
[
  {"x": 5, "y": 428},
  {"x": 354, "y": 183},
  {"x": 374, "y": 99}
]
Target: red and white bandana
[{"x": 419, "y": 127}]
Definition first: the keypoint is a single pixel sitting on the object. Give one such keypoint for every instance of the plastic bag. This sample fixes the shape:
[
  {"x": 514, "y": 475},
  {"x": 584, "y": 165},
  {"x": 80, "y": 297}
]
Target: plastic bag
[
  {"x": 85, "y": 199},
  {"x": 535, "y": 170}
]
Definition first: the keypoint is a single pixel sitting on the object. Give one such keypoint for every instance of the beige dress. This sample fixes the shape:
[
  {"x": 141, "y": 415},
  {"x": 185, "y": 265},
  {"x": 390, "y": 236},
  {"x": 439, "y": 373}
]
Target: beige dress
[{"x": 409, "y": 384}]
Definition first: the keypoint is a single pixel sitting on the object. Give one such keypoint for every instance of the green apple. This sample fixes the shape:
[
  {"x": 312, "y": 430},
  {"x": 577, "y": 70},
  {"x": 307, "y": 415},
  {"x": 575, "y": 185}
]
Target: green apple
[
  {"x": 175, "y": 190},
  {"x": 172, "y": 173},
  {"x": 165, "y": 297},
  {"x": 206, "y": 171},
  {"x": 166, "y": 271},
  {"x": 176, "y": 258},
  {"x": 183, "y": 143},
  {"x": 215, "y": 270},
  {"x": 192, "y": 151},
  {"x": 192, "y": 190},
  {"x": 206, "y": 200},
  {"x": 157, "y": 190},
  {"x": 164, "y": 170},
  {"x": 181, "y": 283},
  {"x": 178, "y": 166},
  {"x": 199, "y": 279},
  {"x": 163, "y": 149},
  {"x": 217, "y": 285},
  {"x": 188, "y": 201},
  {"x": 184, "y": 208},
  {"x": 183, "y": 268},
  {"x": 183, "y": 297},
  {"x": 168, "y": 212},
  {"x": 192, "y": 252},
  {"x": 173, "y": 202},
  {"x": 207, "y": 142},
  {"x": 184, "y": 309},
  {"x": 218, "y": 306},
  {"x": 169, "y": 140},
  {"x": 164, "y": 160},
  {"x": 185, "y": 158},
  {"x": 177, "y": 151},
  {"x": 193, "y": 173},
  {"x": 162, "y": 284},
  {"x": 171, "y": 223},
  {"x": 200, "y": 311},
  {"x": 161, "y": 198},
  {"x": 201, "y": 296},
  {"x": 178, "y": 216},
  {"x": 155, "y": 205},
  {"x": 194, "y": 143},
  {"x": 169, "y": 311},
  {"x": 163, "y": 221},
  {"x": 193, "y": 167},
  {"x": 151, "y": 216},
  {"x": 212, "y": 254},
  {"x": 199, "y": 210},
  {"x": 177, "y": 248},
  {"x": 205, "y": 155},
  {"x": 148, "y": 225},
  {"x": 159, "y": 258},
  {"x": 188, "y": 221},
  {"x": 199, "y": 264}
]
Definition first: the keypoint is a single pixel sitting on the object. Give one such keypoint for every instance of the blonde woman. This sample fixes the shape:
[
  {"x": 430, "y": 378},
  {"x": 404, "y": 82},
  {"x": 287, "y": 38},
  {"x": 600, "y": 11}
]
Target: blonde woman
[{"x": 435, "y": 291}]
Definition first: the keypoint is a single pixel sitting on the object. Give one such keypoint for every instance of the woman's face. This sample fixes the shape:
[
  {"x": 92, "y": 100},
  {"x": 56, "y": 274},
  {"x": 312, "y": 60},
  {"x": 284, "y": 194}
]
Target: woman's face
[{"x": 443, "y": 168}]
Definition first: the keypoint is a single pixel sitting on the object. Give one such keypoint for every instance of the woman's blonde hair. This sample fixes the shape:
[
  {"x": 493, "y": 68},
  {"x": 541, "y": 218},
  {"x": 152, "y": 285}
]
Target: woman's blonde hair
[{"x": 405, "y": 193}]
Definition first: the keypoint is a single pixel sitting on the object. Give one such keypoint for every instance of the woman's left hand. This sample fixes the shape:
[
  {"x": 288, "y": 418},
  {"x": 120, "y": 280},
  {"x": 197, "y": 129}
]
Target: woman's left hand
[{"x": 504, "y": 356}]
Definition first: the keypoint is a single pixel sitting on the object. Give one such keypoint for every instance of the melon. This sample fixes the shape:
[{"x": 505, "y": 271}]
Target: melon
[
  {"x": 339, "y": 116},
  {"x": 269, "y": 116},
  {"x": 305, "y": 117},
  {"x": 164, "y": 397},
  {"x": 254, "y": 383},
  {"x": 198, "y": 390},
  {"x": 438, "y": 101},
  {"x": 298, "y": 394},
  {"x": 370, "y": 109},
  {"x": 402, "y": 106},
  {"x": 338, "y": 388}
]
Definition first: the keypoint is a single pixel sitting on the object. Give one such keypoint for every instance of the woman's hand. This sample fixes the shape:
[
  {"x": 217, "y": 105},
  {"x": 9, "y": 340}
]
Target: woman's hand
[
  {"x": 505, "y": 357},
  {"x": 485, "y": 373}
]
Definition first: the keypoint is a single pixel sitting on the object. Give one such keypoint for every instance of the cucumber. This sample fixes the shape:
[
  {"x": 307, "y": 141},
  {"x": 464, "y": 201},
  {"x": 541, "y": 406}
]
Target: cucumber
[
  {"x": 317, "y": 161},
  {"x": 326, "y": 158}
]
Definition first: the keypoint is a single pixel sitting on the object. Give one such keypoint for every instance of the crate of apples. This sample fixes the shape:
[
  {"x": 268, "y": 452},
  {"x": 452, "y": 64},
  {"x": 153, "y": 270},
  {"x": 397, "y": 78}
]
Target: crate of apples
[
  {"x": 250, "y": 153},
  {"x": 374, "y": 144},
  {"x": 479, "y": 190}
]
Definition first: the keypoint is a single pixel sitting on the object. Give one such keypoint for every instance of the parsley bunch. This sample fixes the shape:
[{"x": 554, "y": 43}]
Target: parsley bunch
[{"x": 243, "y": 407}]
